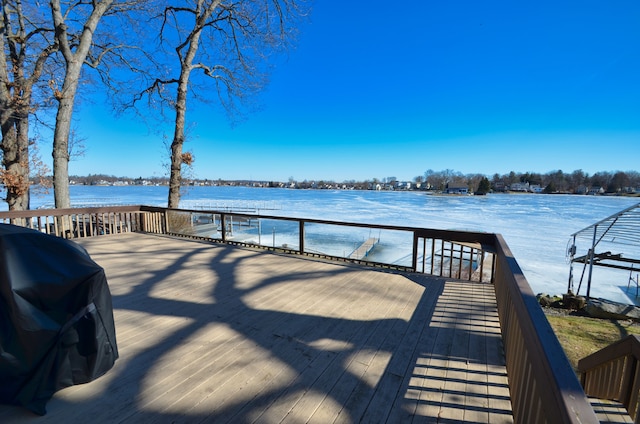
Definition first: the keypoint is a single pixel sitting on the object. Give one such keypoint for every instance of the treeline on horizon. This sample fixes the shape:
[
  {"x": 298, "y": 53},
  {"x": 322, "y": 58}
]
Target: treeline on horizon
[
  {"x": 577, "y": 181},
  {"x": 556, "y": 181}
]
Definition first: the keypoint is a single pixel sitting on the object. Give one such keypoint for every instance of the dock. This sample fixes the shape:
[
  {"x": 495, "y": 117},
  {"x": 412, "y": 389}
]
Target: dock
[{"x": 364, "y": 249}]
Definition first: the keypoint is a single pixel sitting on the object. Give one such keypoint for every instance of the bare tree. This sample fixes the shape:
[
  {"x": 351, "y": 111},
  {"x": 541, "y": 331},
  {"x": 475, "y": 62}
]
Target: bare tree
[
  {"x": 74, "y": 47},
  {"x": 222, "y": 45},
  {"x": 27, "y": 44},
  {"x": 578, "y": 178},
  {"x": 473, "y": 180},
  {"x": 618, "y": 182},
  {"x": 634, "y": 177},
  {"x": 82, "y": 46},
  {"x": 43, "y": 54},
  {"x": 439, "y": 180}
]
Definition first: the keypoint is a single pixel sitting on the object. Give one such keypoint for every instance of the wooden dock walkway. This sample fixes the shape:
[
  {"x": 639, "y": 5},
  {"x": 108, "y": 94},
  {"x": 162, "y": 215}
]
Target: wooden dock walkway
[
  {"x": 363, "y": 250},
  {"x": 217, "y": 333}
]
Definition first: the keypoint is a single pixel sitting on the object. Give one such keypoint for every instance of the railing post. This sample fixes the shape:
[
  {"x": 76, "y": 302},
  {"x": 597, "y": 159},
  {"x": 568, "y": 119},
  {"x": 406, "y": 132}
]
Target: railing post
[
  {"x": 627, "y": 384},
  {"x": 424, "y": 254},
  {"x": 142, "y": 217},
  {"x": 433, "y": 254},
  {"x": 301, "y": 235},
  {"x": 591, "y": 254},
  {"x": 223, "y": 223},
  {"x": 414, "y": 258},
  {"x": 481, "y": 265}
]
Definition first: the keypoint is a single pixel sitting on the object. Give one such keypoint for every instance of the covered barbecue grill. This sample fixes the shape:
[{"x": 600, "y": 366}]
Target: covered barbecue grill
[{"x": 56, "y": 317}]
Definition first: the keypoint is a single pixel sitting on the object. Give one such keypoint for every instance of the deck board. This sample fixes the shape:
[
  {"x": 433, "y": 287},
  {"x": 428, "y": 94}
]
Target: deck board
[
  {"x": 210, "y": 332},
  {"x": 610, "y": 412}
]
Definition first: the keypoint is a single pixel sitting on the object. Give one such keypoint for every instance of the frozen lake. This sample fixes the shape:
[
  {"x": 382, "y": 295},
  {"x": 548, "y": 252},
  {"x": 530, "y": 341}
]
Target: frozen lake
[{"x": 536, "y": 227}]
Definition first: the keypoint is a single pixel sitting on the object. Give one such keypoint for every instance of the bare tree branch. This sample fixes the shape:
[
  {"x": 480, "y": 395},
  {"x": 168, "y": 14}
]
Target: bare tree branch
[{"x": 221, "y": 43}]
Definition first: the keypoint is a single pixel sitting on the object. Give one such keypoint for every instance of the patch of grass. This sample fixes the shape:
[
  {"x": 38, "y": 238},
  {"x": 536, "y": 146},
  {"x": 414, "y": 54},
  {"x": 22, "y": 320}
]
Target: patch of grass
[{"x": 581, "y": 336}]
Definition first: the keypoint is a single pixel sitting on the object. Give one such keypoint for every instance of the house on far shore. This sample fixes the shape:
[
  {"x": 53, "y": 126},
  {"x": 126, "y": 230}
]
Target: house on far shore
[
  {"x": 581, "y": 190},
  {"x": 536, "y": 188},
  {"x": 499, "y": 186},
  {"x": 456, "y": 190},
  {"x": 596, "y": 190},
  {"x": 524, "y": 187}
]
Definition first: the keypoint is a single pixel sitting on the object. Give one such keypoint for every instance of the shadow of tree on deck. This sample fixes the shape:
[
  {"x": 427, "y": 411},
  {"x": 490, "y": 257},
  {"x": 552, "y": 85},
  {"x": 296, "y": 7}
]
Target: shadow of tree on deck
[{"x": 311, "y": 365}]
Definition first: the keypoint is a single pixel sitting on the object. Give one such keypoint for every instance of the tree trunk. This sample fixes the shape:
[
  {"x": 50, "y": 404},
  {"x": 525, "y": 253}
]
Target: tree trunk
[
  {"x": 15, "y": 150},
  {"x": 175, "y": 177},
  {"x": 186, "y": 66},
  {"x": 74, "y": 61},
  {"x": 15, "y": 100},
  {"x": 61, "y": 137}
]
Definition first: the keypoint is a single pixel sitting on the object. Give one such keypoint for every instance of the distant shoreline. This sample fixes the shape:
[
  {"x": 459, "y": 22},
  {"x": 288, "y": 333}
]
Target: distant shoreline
[{"x": 350, "y": 187}]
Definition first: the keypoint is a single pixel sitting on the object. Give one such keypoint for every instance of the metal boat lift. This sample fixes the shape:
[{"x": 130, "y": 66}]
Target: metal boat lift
[{"x": 620, "y": 233}]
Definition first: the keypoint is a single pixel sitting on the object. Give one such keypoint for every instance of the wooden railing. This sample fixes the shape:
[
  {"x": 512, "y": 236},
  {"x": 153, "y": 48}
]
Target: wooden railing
[
  {"x": 613, "y": 373},
  {"x": 542, "y": 384},
  {"x": 88, "y": 222},
  {"x": 462, "y": 255},
  {"x": 543, "y": 387}
]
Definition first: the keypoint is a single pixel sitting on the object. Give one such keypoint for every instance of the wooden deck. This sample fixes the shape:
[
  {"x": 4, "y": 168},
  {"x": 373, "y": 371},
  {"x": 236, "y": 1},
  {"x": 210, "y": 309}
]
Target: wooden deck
[{"x": 216, "y": 333}]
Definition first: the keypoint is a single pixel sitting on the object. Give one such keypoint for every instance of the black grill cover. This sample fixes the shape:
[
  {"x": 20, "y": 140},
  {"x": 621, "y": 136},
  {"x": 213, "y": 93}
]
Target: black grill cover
[{"x": 56, "y": 318}]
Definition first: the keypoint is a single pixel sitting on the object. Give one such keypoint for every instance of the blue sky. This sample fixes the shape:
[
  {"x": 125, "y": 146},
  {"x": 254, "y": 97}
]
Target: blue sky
[{"x": 375, "y": 90}]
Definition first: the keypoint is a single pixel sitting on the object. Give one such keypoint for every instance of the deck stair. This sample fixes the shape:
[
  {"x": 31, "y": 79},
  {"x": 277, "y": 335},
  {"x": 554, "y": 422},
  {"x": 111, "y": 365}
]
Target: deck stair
[
  {"x": 611, "y": 379},
  {"x": 610, "y": 411}
]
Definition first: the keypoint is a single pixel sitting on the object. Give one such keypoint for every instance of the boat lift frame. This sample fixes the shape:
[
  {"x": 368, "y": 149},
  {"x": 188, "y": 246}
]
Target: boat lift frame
[{"x": 619, "y": 229}]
